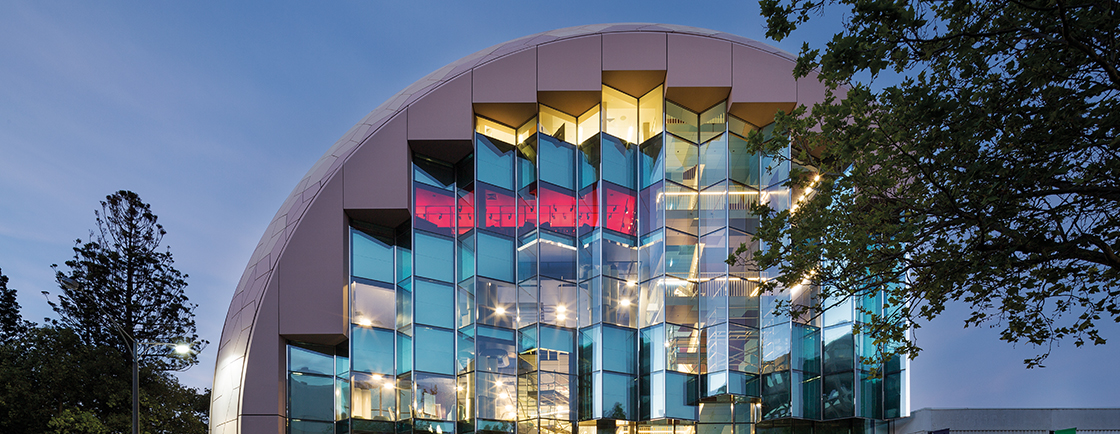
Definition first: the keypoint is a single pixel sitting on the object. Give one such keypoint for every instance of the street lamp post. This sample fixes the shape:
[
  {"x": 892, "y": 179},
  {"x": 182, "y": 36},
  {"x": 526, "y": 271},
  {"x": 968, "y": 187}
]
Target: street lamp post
[{"x": 133, "y": 348}]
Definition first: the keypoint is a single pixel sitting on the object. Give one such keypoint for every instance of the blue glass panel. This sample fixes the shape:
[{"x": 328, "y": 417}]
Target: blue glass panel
[
  {"x": 620, "y": 256},
  {"x": 556, "y": 338},
  {"x": 435, "y": 397},
  {"x": 310, "y": 359},
  {"x": 619, "y": 346},
  {"x": 716, "y": 355},
  {"x": 557, "y": 162},
  {"x": 620, "y": 302},
  {"x": 589, "y": 310},
  {"x": 681, "y": 304},
  {"x": 494, "y": 160},
  {"x": 466, "y": 256},
  {"x": 558, "y": 302},
  {"x": 372, "y": 303},
  {"x": 681, "y": 159},
  {"x": 528, "y": 256},
  {"x": 651, "y": 208},
  {"x": 713, "y": 209},
  {"x": 464, "y": 361},
  {"x": 497, "y": 398},
  {"x": 589, "y": 255},
  {"x": 557, "y": 256},
  {"x": 839, "y": 349},
  {"x": 496, "y": 302},
  {"x": 621, "y": 158},
  {"x": 404, "y": 356},
  {"x": 743, "y": 166},
  {"x": 713, "y": 161},
  {"x": 435, "y": 303},
  {"x": 311, "y": 397},
  {"x": 428, "y": 172},
  {"x": 651, "y": 304},
  {"x": 404, "y": 258},
  {"x": 652, "y": 161},
  {"x": 744, "y": 267},
  {"x": 435, "y": 257},
  {"x": 806, "y": 348},
  {"x": 741, "y": 201},
  {"x": 528, "y": 301},
  {"x": 527, "y": 161},
  {"x": 713, "y": 256},
  {"x": 775, "y": 168},
  {"x": 404, "y": 304},
  {"x": 619, "y": 396},
  {"x": 496, "y": 208},
  {"x": 775, "y": 348},
  {"x": 296, "y": 426},
  {"x": 651, "y": 355},
  {"x": 497, "y": 351},
  {"x": 371, "y": 350},
  {"x": 588, "y": 170},
  {"x": 676, "y": 397},
  {"x": 495, "y": 257},
  {"x": 713, "y": 302},
  {"x": 371, "y": 257},
  {"x": 680, "y": 254},
  {"x": 651, "y": 256},
  {"x": 435, "y": 350},
  {"x": 682, "y": 208}
]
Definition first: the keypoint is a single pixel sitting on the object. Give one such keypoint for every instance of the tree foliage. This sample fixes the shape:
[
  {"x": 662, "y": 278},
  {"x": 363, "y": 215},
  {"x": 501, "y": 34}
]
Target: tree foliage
[
  {"x": 125, "y": 281},
  {"x": 990, "y": 174},
  {"x": 12, "y": 324}
]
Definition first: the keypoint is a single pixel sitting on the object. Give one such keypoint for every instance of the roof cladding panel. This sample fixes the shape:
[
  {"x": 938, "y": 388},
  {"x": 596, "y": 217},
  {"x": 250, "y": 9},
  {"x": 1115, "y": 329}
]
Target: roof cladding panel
[{"x": 298, "y": 273}]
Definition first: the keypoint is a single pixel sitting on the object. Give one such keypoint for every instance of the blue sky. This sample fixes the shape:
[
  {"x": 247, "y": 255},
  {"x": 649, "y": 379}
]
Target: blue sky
[{"x": 213, "y": 111}]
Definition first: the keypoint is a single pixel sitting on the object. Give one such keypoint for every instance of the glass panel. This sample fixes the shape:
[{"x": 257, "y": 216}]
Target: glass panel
[
  {"x": 404, "y": 252},
  {"x": 713, "y": 302},
  {"x": 558, "y": 302},
  {"x": 619, "y": 396},
  {"x": 682, "y": 122},
  {"x": 466, "y": 353},
  {"x": 739, "y": 126},
  {"x": 404, "y": 356},
  {"x": 310, "y": 359},
  {"x": 839, "y": 350},
  {"x": 371, "y": 258},
  {"x": 650, "y": 113},
  {"x": 681, "y": 158},
  {"x": 557, "y": 209},
  {"x": 651, "y": 306},
  {"x": 432, "y": 173},
  {"x": 588, "y": 311},
  {"x": 837, "y": 311},
  {"x": 652, "y": 162},
  {"x": 620, "y": 115},
  {"x": 435, "y": 303},
  {"x": 743, "y": 166},
  {"x": 776, "y": 396},
  {"x": 497, "y": 302},
  {"x": 740, "y": 201},
  {"x": 743, "y": 348},
  {"x": 466, "y": 256},
  {"x": 495, "y": 257},
  {"x": 497, "y": 351},
  {"x": 373, "y": 303},
  {"x": 681, "y": 254},
  {"x": 497, "y": 396},
  {"x": 528, "y": 255},
  {"x": 557, "y": 256},
  {"x": 374, "y": 397},
  {"x": 713, "y": 209},
  {"x": 435, "y": 257},
  {"x": 588, "y": 125},
  {"x": 870, "y": 396},
  {"x": 620, "y": 345},
  {"x": 839, "y": 395},
  {"x": 806, "y": 348},
  {"x": 556, "y": 397},
  {"x": 589, "y": 251},
  {"x": 775, "y": 348},
  {"x": 677, "y": 399},
  {"x": 496, "y": 210},
  {"x": 682, "y": 348},
  {"x": 404, "y": 396},
  {"x": 296, "y": 426},
  {"x": 775, "y": 168},
  {"x": 435, "y": 350},
  {"x": 434, "y": 209},
  {"x": 713, "y": 161},
  {"x": 713, "y": 121},
  {"x": 652, "y": 349},
  {"x": 620, "y": 257},
  {"x": 742, "y": 301},
  {"x": 620, "y": 302},
  {"x": 528, "y": 303},
  {"x": 494, "y": 160},
  {"x": 716, "y": 356},
  {"x": 435, "y": 397},
  {"x": 621, "y": 159},
  {"x": 372, "y": 349},
  {"x": 527, "y": 210},
  {"x": 681, "y": 304},
  {"x": 465, "y": 210},
  {"x": 557, "y": 124},
  {"x": 681, "y": 208},
  {"x": 713, "y": 255},
  {"x": 588, "y": 218},
  {"x": 652, "y": 207},
  {"x": 527, "y": 143},
  {"x": 466, "y": 311},
  {"x": 619, "y": 209},
  {"x": 494, "y": 130},
  {"x": 651, "y": 255},
  {"x": 310, "y": 397}
]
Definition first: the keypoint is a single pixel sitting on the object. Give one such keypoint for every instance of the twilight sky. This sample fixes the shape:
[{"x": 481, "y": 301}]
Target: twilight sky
[{"x": 213, "y": 111}]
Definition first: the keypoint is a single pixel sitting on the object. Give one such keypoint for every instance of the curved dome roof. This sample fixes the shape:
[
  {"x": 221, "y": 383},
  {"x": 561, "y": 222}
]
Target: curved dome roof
[{"x": 254, "y": 317}]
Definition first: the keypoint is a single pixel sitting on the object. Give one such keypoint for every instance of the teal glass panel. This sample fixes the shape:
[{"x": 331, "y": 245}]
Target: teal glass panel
[
  {"x": 713, "y": 209},
  {"x": 776, "y": 395},
  {"x": 432, "y": 173},
  {"x": 651, "y": 303},
  {"x": 652, "y": 167},
  {"x": 528, "y": 256},
  {"x": 434, "y": 210},
  {"x": 465, "y": 313},
  {"x": 620, "y": 344},
  {"x": 775, "y": 348},
  {"x": 621, "y": 158},
  {"x": 557, "y": 338},
  {"x": 588, "y": 169},
  {"x": 435, "y": 257},
  {"x": 557, "y": 162},
  {"x": 682, "y": 208},
  {"x": 713, "y": 161},
  {"x": 589, "y": 337},
  {"x": 680, "y": 254},
  {"x": 839, "y": 350},
  {"x": 528, "y": 302},
  {"x": 838, "y": 396},
  {"x": 681, "y": 159},
  {"x": 372, "y": 350},
  {"x": 713, "y": 122},
  {"x": 495, "y": 427},
  {"x": 404, "y": 397},
  {"x": 496, "y": 208},
  {"x": 558, "y": 303},
  {"x": 312, "y": 359},
  {"x": 651, "y": 354},
  {"x": 867, "y": 352},
  {"x": 527, "y": 161},
  {"x": 494, "y": 161},
  {"x": 404, "y": 356},
  {"x": 589, "y": 309},
  {"x": 682, "y": 122},
  {"x": 892, "y": 395},
  {"x": 806, "y": 348},
  {"x": 742, "y": 300},
  {"x": 743, "y": 384},
  {"x": 620, "y": 302},
  {"x": 465, "y": 358},
  {"x": 589, "y": 255},
  {"x": 342, "y": 360},
  {"x": 620, "y": 256},
  {"x": 404, "y": 258},
  {"x": 713, "y": 256},
  {"x": 435, "y": 303},
  {"x": 713, "y": 302},
  {"x": 809, "y": 396},
  {"x": 359, "y": 426},
  {"x": 496, "y": 302},
  {"x": 497, "y": 350},
  {"x": 435, "y": 350},
  {"x": 495, "y": 257},
  {"x": 373, "y": 303},
  {"x": 870, "y": 396},
  {"x": 677, "y": 397},
  {"x": 681, "y": 304},
  {"x": 466, "y": 254},
  {"x": 837, "y": 312},
  {"x": 743, "y": 166},
  {"x": 619, "y": 396},
  {"x": 435, "y": 397},
  {"x": 296, "y": 426},
  {"x": 310, "y": 397},
  {"x": 342, "y": 398},
  {"x": 870, "y": 307},
  {"x": 651, "y": 255},
  {"x": 775, "y": 168},
  {"x": 651, "y": 208},
  {"x": 371, "y": 257},
  {"x": 682, "y": 354},
  {"x": 743, "y": 349},
  {"x": 557, "y": 256},
  {"x": 774, "y": 307}
]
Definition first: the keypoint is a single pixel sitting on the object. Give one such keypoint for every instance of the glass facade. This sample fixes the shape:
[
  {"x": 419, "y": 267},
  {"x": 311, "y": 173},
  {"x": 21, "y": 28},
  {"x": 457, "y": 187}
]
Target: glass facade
[{"x": 569, "y": 277}]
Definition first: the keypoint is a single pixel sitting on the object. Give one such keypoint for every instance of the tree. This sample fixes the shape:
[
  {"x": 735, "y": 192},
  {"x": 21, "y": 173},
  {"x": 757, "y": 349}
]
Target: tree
[
  {"x": 12, "y": 324},
  {"x": 120, "y": 281},
  {"x": 989, "y": 175}
]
